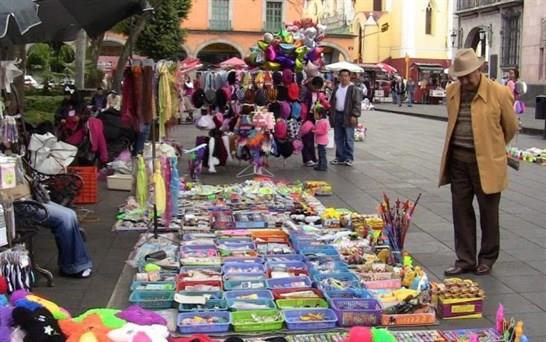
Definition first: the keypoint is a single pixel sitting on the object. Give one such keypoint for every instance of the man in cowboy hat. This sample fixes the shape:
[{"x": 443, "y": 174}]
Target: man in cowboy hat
[{"x": 481, "y": 121}]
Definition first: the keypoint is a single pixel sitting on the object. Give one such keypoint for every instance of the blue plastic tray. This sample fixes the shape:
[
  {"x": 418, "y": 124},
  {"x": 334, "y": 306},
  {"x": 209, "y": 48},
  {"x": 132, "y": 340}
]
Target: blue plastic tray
[
  {"x": 326, "y": 250},
  {"x": 284, "y": 257},
  {"x": 285, "y": 283},
  {"x": 348, "y": 294},
  {"x": 152, "y": 299},
  {"x": 241, "y": 267},
  {"x": 244, "y": 276},
  {"x": 249, "y": 259},
  {"x": 352, "y": 280},
  {"x": 153, "y": 285},
  {"x": 284, "y": 266},
  {"x": 210, "y": 305},
  {"x": 262, "y": 294},
  {"x": 245, "y": 284},
  {"x": 201, "y": 268},
  {"x": 293, "y": 321},
  {"x": 203, "y": 328}
]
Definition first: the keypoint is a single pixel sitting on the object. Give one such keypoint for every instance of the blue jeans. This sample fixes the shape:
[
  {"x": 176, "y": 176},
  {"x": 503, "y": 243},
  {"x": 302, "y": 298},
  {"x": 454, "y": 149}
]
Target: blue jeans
[
  {"x": 63, "y": 222},
  {"x": 410, "y": 98},
  {"x": 344, "y": 138},
  {"x": 322, "y": 162},
  {"x": 141, "y": 138}
]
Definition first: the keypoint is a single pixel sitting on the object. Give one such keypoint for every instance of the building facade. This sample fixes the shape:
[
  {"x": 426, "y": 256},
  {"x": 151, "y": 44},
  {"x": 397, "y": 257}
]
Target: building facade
[
  {"x": 533, "y": 46},
  {"x": 494, "y": 29},
  {"x": 220, "y": 29}
]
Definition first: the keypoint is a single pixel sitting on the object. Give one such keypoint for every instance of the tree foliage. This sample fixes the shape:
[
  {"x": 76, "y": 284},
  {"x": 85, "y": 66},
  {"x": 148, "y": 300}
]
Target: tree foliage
[{"x": 162, "y": 36}]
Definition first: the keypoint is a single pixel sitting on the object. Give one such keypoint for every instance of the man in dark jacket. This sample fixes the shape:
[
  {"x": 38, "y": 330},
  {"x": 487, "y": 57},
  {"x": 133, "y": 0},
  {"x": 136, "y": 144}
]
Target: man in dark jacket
[{"x": 345, "y": 104}]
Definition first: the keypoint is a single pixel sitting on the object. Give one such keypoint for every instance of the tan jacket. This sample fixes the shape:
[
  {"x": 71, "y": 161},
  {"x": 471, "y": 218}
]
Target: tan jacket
[{"x": 494, "y": 124}]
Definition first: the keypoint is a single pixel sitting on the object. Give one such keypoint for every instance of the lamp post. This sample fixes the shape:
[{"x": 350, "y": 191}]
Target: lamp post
[{"x": 453, "y": 36}]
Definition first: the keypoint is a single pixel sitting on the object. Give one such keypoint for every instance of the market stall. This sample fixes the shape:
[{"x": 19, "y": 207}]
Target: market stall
[{"x": 431, "y": 82}]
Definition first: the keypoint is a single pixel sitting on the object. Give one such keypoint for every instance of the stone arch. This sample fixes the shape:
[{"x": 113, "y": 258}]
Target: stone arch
[
  {"x": 473, "y": 38},
  {"x": 220, "y": 49},
  {"x": 334, "y": 52}
]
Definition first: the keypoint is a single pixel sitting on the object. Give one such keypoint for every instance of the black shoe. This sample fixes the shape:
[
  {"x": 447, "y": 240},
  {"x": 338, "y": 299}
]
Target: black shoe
[
  {"x": 456, "y": 270},
  {"x": 482, "y": 269},
  {"x": 316, "y": 168}
]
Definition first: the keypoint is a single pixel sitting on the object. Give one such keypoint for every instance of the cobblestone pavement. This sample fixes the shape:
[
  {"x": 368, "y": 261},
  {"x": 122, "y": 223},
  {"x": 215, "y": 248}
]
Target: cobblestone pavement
[{"x": 400, "y": 156}]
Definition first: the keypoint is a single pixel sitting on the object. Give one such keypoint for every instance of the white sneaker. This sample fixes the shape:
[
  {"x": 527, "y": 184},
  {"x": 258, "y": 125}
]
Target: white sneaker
[
  {"x": 310, "y": 163},
  {"x": 348, "y": 163}
]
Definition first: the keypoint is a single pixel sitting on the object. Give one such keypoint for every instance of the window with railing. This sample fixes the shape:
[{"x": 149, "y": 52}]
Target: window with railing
[
  {"x": 219, "y": 15},
  {"x": 428, "y": 19},
  {"x": 511, "y": 23},
  {"x": 468, "y": 4},
  {"x": 273, "y": 15}
]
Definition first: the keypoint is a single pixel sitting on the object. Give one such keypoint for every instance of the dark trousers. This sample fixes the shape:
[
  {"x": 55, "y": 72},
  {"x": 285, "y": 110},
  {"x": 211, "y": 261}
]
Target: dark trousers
[
  {"x": 322, "y": 162},
  {"x": 465, "y": 184},
  {"x": 308, "y": 151},
  {"x": 344, "y": 138}
]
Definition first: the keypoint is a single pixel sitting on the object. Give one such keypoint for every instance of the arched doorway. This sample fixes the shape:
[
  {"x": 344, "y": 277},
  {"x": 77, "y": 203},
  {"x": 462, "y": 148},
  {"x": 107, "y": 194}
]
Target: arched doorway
[
  {"x": 333, "y": 54},
  {"x": 477, "y": 40},
  {"x": 217, "y": 52}
]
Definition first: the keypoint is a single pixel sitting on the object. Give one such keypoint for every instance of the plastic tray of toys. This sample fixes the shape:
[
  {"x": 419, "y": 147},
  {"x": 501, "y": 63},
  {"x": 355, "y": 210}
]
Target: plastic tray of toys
[
  {"x": 301, "y": 303},
  {"x": 293, "y": 268},
  {"x": 284, "y": 257},
  {"x": 249, "y": 219},
  {"x": 152, "y": 299},
  {"x": 348, "y": 294},
  {"x": 211, "y": 268},
  {"x": 153, "y": 285},
  {"x": 337, "y": 281},
  {"x": 290, "y": 282},
  {"x": 242, "y": 267},
  {"x": 250, "y": 304},
  {"x": 246, "y": 259},
  {"x": 412, "y": 319},
  {"x": 256, "y": 320},
  {"x": 383, "y": 284},
  {"x": 245, "y": 276},
  {"x": 204, "y": 322},
  {"x": 326, "y": 250},
  {"x": 274, "y": 248},
  {"x": 248, "y": 294},
  {"x": 210, "y": 305},
  {"x": 297, "y": 293},
  {"x": 357, "y": 312},
  {"x": 309, "y": 319},
  {"x": 192, "y": 285},
  {"x": 189, "y": 300},
  {"x": 327, "y": 268},
  {"x": 245, "y": 284}
]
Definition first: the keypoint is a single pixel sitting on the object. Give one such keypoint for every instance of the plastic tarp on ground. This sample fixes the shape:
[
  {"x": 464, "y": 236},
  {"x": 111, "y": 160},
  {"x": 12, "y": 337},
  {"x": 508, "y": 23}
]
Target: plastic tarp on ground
[{"x": 50, "y": 156}]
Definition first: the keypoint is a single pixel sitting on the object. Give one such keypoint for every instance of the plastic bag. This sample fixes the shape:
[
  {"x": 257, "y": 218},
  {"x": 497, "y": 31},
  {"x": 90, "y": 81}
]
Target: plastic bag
[{"x": 205, "y": 122}]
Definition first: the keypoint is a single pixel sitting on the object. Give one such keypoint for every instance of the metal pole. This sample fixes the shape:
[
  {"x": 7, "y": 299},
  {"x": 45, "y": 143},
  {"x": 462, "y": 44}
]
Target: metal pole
[
  {"x": 81, "y": 46},
  {"x": 360, "y": 44}
]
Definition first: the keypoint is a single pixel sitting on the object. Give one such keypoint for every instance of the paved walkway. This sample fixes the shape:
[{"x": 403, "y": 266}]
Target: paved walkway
[
  {"x": 400, "y": 157},
  {"x": 439, "y": 112}
]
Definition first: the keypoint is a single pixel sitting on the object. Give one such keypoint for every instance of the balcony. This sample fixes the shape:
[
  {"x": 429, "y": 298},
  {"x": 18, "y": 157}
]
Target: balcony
[
  {"x": 220, "y": 24},
  {"x": 471, "y": 5}
]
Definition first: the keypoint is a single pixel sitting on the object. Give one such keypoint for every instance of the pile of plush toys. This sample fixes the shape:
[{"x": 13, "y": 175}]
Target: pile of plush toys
[{"x": 294, "y": 47}]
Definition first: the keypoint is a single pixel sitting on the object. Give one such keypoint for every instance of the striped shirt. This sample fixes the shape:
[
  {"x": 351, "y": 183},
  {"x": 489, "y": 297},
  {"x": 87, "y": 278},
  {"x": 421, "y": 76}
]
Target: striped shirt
[{"x": 463, "y": 137}]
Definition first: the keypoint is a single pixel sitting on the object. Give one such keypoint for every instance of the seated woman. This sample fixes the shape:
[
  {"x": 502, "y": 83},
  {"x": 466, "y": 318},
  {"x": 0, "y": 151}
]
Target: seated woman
[{"x": 73, "y": 258}]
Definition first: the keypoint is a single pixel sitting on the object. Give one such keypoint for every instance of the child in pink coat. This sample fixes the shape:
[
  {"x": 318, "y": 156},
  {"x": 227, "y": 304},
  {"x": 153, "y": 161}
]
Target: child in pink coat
[{"x": 322, "y": 126}]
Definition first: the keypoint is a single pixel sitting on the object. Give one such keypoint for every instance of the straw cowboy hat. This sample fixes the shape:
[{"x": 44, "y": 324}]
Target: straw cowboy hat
[{"x": 465, "y": 62}]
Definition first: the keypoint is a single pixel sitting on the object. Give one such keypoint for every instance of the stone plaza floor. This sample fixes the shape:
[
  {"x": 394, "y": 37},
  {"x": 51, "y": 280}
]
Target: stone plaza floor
[{"x": 400, "y": 157}]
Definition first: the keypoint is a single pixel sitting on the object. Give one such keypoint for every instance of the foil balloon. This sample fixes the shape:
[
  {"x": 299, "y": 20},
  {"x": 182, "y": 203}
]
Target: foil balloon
[
  {"x": 260, "y": 57},
  {"x": 270, "y": 53},
  {"x": 310, "y": 43},
  {"x": 286, "y": 62},
  {"x": 298, "y": 65},
  {"x": 321, "y": 29},
  {"x": 263, "y": 44},
  {"x": 287, "y": 49},
  {"x": 273, "y": 66},
  {"x": 311, "y": 33},
  {"x": 301, "y": 51},
  {"x": 283, "y": 34},
  {"x": 298, "y": 43},
  {"x": 268, "y": 37},
  {"x": 289, "y": 38}
]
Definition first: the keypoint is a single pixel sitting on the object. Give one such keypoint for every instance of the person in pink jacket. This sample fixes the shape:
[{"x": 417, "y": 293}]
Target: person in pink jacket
[{"x": 322, "y": 126}]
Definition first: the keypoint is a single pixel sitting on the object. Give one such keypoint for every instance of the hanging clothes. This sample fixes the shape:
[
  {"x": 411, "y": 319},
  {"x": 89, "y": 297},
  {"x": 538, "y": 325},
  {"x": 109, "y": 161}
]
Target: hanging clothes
[
  {"x": 16, "y": 268},
  {"x": 138, "y": 93},
  {"x": 128, "y": 116},
  {"x": 141, "y": 187},
  {"x": 166, "y": 171},
  {"x": 166, "y": 79},
  {"x": 159, "y": 189},
  {"x": 96, "y": 136},
  {"x": 148, "y": 106},
  {"x": 174, "y": 185}
]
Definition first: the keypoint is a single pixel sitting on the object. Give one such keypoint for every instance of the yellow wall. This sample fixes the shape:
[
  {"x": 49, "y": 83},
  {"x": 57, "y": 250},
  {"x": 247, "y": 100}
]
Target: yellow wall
[{"x": 406, "y": 33}]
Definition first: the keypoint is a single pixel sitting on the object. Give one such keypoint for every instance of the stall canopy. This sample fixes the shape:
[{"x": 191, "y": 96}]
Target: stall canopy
[
  {"x": 386, "y": 68},
  {"x": 233, "y": 62},
  {"x": 429, "y": 67},
  {"x": 29, "y": 21},
  {"x": 343, "y": 65}
]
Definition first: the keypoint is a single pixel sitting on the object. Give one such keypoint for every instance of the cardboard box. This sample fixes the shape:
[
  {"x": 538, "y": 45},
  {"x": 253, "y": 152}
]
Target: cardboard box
[
  {"x": 7, "y": 176},
  {"x": 120, "y": 182},
  {"x": 460, "y": 308}
]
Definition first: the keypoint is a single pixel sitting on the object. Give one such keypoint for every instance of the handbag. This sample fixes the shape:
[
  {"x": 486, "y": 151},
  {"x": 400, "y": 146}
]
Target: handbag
[
  {"x": 85, "y": 155},
  {"x": 38, "y": 191}
]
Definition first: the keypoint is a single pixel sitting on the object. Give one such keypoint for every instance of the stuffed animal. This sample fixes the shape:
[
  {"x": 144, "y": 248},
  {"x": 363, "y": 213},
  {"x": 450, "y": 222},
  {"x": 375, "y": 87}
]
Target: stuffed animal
[
  {"x": 90, "y": 329},
  {"x": 23, "y": 298},
  {"x": 108, "y": 316},
  {"x": 5, "y": 323},
  {"x": 39, "y": 325},
  {"x": 139, "y": 333},
  {"x": 136, "y": 314}
]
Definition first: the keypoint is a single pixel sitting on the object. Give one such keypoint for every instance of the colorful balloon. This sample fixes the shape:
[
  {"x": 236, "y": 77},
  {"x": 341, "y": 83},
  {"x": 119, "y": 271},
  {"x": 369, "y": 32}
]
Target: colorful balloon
[
  {"x": 286, "y": 62},
  {"x": 298, "y": 65},
  {"x": 311, "y": 33},
  {"x": 268, "y": 37},
  {"x": 287, "y": 49},
  {"x": 270, "y": 53},
  {"x": 289, "y": 38},
  {"x": 273, "y": 66},
  {"x": 262, "y": 44}
]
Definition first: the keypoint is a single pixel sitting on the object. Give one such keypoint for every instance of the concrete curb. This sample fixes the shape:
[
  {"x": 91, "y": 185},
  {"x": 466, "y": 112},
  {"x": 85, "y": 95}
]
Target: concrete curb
[{"x": 524, "y": 130}]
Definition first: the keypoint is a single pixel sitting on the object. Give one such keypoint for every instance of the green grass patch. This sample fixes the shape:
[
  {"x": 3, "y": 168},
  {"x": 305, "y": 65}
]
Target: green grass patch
[{"x": 39, "y": 108}]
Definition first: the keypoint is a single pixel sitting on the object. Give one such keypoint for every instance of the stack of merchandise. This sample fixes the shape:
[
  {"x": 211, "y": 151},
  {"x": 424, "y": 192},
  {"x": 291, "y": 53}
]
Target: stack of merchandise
[{"x": 274, "y": 259}]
